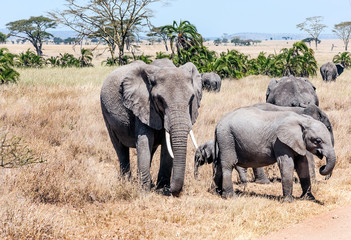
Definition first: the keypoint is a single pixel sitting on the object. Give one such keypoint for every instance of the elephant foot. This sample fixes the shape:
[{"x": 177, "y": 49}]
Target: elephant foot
[
  {"x": 166, "y": 191},
  {"x": 308, "y": 196},
  {"x": 288, "y": 199},
  {"x": 262, "y": 181},
  {"x": 226, "y": 195}
]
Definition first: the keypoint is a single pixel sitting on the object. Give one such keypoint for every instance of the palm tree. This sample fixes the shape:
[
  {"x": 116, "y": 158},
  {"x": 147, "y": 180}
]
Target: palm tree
[
  {"x": 183, "y": 35},
  {"x": 7, "y": 73},
  {"x": 344, "y": 58},
  {"x": 85, "y": 58}
]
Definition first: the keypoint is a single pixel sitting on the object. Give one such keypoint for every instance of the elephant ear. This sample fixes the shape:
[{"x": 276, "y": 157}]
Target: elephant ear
[
  {"x": 290, "y": 132},
  {"x": 340, "y": 68},
  {"x": 136, "y": 89},
  {"x": 272, "y": 84},
  {"x": 197, "y": 85}
]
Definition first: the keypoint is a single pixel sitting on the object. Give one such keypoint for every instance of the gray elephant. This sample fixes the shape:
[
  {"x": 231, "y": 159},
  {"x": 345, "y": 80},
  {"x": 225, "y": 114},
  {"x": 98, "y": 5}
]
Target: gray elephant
[
  {"x": 163, "y": 62},
  {"x": 292, "y": 92},
  {"x": 330, "y": 71},
  {"x": 251, "y": 137},
  {"x": 205, "y": 154},
  {"x": 211, "y": 81},
  {"x": 145, "y": 106}
]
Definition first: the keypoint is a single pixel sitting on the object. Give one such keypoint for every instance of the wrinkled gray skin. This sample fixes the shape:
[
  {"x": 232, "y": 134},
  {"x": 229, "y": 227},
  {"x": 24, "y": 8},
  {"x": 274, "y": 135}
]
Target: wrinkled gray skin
[
  {"x": 251, "y": 137},
  {"x": 140, "y": 103},
  {"x": 205, "y": 154},
  {"x": 163, "y": 62},
  {"x": 211, "y": 81},
  {"x": 310, "y": 110},
  {"x": 291, "y": 92},
  {"x": 330, "y": 71}
]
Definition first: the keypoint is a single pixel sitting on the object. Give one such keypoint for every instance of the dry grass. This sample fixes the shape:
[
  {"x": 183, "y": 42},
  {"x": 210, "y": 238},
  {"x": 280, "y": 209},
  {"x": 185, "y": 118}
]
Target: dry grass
[{"x": 78, "y": 194}]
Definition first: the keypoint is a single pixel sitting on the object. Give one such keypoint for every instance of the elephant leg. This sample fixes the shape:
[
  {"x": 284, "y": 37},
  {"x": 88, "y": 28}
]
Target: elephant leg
[
  {"x": 122, "y": 153},
  {"x": 302, "y": 169},
  {"x": 286, "y": 167},
  {"x": 228, "y": 159},
  {"x": 144, "y": 146},
  {"x": 260, "y": 176},
  {"x": 217, "y": 177},
  {"x": 242, "y": 174},
  {"x": 165, "y": 171},
  {"x": 311, "y": 165}
]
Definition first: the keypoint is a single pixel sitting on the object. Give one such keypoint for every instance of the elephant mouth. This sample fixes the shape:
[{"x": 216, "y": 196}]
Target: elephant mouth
[
  {"x": 168, "y": 142},
  {"x": 319, "y": 154}
]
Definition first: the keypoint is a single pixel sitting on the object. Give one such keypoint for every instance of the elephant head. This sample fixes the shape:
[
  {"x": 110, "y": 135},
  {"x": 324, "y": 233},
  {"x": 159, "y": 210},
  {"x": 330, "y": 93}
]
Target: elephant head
[
  {"x": 340, "y": 68},
  {"x": 169, "y": 99},
  {"x": 205, "y": 153},
  {"x": 303, "y": 133},
  {"x": 315, "y": 112},
  {"x": 211, "y": 81}
]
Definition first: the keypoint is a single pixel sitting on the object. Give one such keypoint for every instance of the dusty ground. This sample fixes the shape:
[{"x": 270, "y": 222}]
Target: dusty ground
[{"x": 334, "y": 225}]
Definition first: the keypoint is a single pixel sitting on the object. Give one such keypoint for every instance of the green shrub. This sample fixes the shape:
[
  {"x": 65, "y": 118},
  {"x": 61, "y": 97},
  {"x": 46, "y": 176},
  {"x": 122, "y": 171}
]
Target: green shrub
[
  {"x": 343, "y": 58},
  {"x": 29, "y": 59},
  {"x": 7, "y": 72}
]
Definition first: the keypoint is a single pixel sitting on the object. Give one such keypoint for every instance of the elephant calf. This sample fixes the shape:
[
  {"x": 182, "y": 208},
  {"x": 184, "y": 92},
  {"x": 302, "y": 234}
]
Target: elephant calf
[
  {"x": 251, "y": 137},
  {"x": 205, "y": 153}
]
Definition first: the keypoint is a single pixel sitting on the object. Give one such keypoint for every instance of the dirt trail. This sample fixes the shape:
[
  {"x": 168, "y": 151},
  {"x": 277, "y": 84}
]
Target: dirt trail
[{"x": 332, "y": 225}]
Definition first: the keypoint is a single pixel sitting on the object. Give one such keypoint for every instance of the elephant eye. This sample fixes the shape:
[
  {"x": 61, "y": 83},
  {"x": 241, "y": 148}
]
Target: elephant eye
[{"x": 317, "y": 141}]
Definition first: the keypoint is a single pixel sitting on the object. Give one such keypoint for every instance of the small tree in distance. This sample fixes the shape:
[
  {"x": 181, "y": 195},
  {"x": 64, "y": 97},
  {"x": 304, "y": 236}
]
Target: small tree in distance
[
  {"x": 3, "y": 37},
  {"x": 343, "y": 31},
  {"x": 313, "y": 27},
  {"x": 32, "y": 30}
]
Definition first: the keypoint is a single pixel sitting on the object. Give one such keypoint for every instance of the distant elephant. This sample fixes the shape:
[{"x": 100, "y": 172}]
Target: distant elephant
[
  {"x": 330, "y": 71},
  {"x": 251, "y": 137},
  {"x": 291, "y": 92},
  {"x": 145, "y": 106},
  {"x": 211, "y": 81},
  {"x": 163, "y": 62},
  {"x": 205, "y": 154}
]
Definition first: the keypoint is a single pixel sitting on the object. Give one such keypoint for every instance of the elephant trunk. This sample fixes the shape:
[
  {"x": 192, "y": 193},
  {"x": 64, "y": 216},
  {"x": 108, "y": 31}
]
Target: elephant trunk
[
  {"x": 331, "y": 159},
  {"x": 179, "y": 137}
]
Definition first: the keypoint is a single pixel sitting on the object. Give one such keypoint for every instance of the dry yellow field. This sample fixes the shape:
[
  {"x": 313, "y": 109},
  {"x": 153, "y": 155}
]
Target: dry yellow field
[{"x": 77, "y": 192}]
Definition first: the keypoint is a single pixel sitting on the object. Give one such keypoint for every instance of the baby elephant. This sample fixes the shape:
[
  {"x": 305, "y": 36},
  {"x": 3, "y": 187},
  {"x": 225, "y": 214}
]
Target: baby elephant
[
  {"x": 211, "y": 81},
  {"x": 205, "y": 154},
  {"x": 251, "y": 137}
]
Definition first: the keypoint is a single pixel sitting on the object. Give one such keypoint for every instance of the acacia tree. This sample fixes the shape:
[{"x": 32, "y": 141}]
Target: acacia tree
[
  {"x": 343, "y": 31},
  {"x": 112, "y": 21},
  {"x": 32, "y": 30},
  {"x": 3, "y": 37},
  {"x": 313, "y": 27},
  {"x": 158, "y": 32}
]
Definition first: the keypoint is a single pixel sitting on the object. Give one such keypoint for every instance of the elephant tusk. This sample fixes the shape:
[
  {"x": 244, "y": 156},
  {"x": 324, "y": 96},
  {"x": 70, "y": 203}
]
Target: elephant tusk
[
  {"x": 193, "y": 138},
  {"x": 168, "y": 143}
]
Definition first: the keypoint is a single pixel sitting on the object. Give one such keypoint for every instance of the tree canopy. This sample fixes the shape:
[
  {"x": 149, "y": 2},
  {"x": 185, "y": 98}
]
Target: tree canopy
[
  {"x": 33, "y": 30},
  {"x": 343, "y": 31},
  {"x": 3, "y": 37},
  {"x": 313, "y": 27},
  {"x": 112, "y": 21}
]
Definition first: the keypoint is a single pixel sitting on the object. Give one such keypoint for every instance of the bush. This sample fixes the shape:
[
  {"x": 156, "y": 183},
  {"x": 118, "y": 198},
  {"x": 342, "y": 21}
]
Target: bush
[
  {"x": 29, "y": 59},
  {"x": 344, "y": 58},
  {"x": 7, "y": 72},
  {"x": 14, "y": 153}
]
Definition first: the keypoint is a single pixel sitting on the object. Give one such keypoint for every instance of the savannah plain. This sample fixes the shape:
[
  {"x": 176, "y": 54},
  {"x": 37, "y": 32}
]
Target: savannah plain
[{"x": 77, "y": 192}]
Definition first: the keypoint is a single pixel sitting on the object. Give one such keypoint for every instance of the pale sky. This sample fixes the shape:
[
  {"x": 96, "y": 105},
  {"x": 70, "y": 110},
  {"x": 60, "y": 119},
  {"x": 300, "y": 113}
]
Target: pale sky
[{"x": 213, "y": 17}]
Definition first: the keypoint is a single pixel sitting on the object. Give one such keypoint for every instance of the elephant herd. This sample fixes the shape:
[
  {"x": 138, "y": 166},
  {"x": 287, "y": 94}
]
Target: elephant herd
[{"x": 147, "y": 105}]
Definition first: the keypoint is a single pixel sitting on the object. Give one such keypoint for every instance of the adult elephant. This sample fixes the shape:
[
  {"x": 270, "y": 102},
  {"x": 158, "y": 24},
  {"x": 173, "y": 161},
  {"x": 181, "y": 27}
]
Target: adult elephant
[
  {"x": 163, "y": 62},
  {"x": 251, "y": 137},
  {"x": 145, "y": 106},
  {"x": 292, "y": 92},
  {"x": 211, "y": 81},
  {"x": 330, "y": 71}
]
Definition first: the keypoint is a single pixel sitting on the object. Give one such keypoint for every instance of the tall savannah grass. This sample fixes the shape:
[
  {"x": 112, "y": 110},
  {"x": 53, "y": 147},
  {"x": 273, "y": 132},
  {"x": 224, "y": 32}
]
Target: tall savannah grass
[{"x": 77, "y": 193}]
